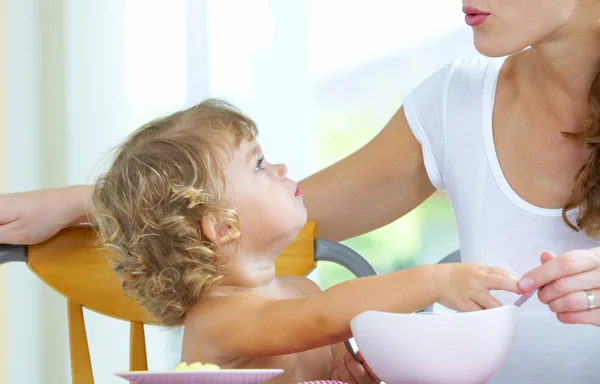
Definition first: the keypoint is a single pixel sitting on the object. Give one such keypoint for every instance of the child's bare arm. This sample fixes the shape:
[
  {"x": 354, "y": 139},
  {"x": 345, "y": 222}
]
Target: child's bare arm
[{"x": 265, "y": 327}]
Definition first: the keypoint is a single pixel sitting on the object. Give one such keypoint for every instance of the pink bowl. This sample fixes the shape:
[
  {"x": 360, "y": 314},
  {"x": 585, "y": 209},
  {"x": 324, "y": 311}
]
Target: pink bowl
[{"x": 459, "y": 348}]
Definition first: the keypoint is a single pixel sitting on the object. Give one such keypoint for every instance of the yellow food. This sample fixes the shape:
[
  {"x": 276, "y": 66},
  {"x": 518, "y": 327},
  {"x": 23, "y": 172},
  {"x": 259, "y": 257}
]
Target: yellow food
[{"x": 183, "y": 366}]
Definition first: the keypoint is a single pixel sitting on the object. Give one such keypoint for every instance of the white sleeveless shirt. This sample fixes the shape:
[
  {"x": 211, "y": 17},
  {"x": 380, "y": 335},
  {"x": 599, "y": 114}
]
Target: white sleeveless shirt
[{"x": 450, "y": 114}]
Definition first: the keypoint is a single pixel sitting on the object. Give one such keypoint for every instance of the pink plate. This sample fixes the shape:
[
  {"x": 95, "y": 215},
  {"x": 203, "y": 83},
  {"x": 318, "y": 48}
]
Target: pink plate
[{"x": 222, "y": 376}]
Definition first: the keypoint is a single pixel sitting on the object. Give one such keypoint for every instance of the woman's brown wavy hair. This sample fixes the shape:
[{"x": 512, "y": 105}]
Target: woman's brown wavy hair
[
  {"x": 586, "y": 187},
  {"x": 147, "y": 207}
]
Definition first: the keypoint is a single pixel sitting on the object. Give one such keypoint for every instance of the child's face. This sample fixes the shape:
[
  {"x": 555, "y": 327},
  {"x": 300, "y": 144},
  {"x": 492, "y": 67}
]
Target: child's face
[{"x": 270, "y": 206}]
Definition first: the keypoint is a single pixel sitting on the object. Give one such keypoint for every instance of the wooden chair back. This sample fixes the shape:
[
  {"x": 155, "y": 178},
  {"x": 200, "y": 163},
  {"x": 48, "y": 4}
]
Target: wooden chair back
[{"x": 73, "y": 265}]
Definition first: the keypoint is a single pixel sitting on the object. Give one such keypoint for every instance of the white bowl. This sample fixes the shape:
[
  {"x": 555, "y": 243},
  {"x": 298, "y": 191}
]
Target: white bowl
[{"x": 455, "y": 348}]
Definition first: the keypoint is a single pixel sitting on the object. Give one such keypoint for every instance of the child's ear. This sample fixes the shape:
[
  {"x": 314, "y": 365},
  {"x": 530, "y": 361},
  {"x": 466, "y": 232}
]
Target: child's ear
[{"x": 218, "y": 232}]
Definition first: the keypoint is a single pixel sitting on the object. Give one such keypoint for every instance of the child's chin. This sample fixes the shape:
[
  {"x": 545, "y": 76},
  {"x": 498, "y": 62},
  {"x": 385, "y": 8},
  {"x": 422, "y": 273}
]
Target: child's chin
[
  {"x": 295, "y": 229},
  {"x": 303, "y": 218}
]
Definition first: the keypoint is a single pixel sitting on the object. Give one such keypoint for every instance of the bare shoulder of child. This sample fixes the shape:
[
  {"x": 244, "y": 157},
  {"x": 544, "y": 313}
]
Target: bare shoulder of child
[
  {"x": 298, "y": 286},
  {"x": 200, "y": 344}
]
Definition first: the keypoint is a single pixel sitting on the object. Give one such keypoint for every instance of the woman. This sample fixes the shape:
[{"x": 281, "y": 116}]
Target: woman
[{"x": 514, "y": 141}]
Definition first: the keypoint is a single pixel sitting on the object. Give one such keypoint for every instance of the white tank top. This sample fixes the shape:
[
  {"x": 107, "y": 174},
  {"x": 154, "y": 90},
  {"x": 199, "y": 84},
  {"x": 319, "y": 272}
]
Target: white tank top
[{"x": 450, "y": 114}]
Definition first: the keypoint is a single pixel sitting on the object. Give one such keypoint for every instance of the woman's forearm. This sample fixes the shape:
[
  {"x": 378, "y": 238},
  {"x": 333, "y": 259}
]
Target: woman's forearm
[
  {"x": 370, "y": 188},
  {"x": 78, "y": 199}
]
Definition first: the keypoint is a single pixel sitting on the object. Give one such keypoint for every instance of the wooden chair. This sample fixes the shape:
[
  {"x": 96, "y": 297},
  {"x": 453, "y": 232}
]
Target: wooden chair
[{"x": 72, "y": 264}]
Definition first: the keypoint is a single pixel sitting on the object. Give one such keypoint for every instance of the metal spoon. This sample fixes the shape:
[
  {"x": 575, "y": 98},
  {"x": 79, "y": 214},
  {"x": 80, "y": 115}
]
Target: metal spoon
[
  {"x": 521, "y": 300},
  {"x": 352, "y": 352}
]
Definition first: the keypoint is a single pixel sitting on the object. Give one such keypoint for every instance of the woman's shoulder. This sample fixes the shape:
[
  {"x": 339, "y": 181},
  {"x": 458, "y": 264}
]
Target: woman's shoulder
[
  {"x": 474, "y": 68},
  {"x": 458, "y": 78}
]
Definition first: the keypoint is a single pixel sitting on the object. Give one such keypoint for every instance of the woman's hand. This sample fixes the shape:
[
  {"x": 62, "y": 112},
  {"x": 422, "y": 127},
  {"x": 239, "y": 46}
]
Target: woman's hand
[
  {"x": 32, "y": 217},
  {"x": 352, "y": 372},
  {"x": 565, "y": 282},
  {"x": 466, "y": 287}
]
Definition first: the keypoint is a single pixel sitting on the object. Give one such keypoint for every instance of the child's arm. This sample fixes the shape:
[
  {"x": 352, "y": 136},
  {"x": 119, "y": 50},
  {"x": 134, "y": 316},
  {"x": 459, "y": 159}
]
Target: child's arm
[{"x": 265, "y": 327}]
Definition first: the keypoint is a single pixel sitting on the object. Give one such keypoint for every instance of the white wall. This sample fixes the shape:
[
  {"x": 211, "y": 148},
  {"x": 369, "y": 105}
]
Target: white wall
[
  {"x": 70, "y": 98},
  {"x": 259, "y": 59},
  {"x": 22, "y": 170},
  {"x": 82, "y": 74}
]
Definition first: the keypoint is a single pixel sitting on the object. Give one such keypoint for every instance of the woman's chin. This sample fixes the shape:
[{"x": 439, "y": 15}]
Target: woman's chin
[{"x": 495, "y": 47}]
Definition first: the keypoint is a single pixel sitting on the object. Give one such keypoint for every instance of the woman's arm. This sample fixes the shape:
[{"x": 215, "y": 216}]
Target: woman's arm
[
  {"x": 370, "y": 188},
  {"x": 350, "y": 371},
  {"x": 32, "y": 217},
  {"x": 82, "y": 199}
]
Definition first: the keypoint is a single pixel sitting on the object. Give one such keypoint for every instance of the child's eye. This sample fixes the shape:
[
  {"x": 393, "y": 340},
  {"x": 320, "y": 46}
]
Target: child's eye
[{"x": 259, "y": 164}]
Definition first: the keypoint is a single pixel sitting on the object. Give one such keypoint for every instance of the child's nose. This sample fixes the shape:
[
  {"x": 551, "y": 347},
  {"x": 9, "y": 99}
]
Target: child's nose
[{"x": 282, "y": 170}]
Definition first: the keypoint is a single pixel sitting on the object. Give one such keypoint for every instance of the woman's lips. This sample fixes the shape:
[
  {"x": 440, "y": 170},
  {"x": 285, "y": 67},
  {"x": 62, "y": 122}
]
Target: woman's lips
[{"x": 474, "y": 16}]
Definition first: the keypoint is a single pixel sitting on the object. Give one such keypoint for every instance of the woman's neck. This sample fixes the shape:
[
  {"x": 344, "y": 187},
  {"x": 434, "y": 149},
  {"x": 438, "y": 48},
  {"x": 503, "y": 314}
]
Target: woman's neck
[{"x": 557, "y": 74}]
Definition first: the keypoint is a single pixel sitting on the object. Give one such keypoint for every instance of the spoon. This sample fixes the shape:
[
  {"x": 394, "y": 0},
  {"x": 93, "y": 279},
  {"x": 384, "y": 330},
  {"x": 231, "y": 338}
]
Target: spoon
[
  {"x": 352, "y": 352},
  {"x": 521, "y": 300}
]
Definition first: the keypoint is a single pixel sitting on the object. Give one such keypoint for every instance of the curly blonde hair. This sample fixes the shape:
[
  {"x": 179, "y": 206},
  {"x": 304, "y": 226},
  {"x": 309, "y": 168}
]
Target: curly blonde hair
[{"x": 147, "y": 207}]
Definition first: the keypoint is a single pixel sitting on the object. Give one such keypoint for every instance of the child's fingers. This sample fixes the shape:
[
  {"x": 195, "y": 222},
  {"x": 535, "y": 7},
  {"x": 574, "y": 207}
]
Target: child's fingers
[
  {"x": 502, "y": 282},
  {"x": 485, "y": 300},
  {"x": 469, "y": 306},
  {"x": 496, "y": 271}
]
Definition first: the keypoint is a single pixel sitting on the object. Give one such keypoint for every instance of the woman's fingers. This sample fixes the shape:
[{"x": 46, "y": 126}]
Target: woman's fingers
[
  {"x": 351, "y": 371},
  {"x": 335, "y": 375},
  {"x": 591, "y": 317},
  {"x": 567, "y": 264},
  {"x": 345, "y": 375},
  {"x": 570, "y": 284},
  {"x": 368, "y": 368},
  {"x": 357, "y": 371},
  {"x": 573, "y": 302}
]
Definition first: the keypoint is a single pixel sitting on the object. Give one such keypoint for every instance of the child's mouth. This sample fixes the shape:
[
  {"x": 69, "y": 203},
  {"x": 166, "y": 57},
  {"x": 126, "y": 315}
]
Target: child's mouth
[{"x": 298, "y": 192}]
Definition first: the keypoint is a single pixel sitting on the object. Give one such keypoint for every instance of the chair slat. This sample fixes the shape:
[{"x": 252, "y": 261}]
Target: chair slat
[
  {"x": 298, "y": 259},
  {"x": 137, "y": 347},
  {"x": 81, "y": 366}
]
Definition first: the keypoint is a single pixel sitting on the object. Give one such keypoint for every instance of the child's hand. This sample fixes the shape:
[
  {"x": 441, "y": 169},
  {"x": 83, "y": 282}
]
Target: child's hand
[
  {"x": 465, "y": 287},
  {"x": 352, "y": 372}
]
